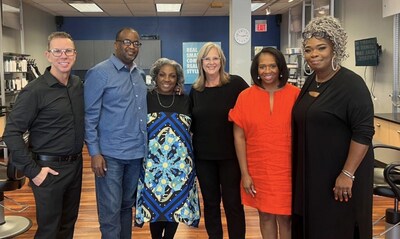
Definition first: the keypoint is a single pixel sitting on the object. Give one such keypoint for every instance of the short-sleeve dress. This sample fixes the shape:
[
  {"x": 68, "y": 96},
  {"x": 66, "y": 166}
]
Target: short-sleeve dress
[{"x": 268, "y": 146}]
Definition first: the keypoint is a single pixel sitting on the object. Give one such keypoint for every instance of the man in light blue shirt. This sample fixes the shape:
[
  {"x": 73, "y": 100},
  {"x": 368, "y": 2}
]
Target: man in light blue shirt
[{"x": 116, "y": 137}]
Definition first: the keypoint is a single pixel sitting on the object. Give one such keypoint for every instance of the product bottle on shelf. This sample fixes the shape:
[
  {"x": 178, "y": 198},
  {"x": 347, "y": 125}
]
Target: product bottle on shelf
[
  {"x": 13, "y": 65},
  {"x": 18, "y": 83},
  {"x": 24, "y": 65},
  {"x": 7, "y": 65}
]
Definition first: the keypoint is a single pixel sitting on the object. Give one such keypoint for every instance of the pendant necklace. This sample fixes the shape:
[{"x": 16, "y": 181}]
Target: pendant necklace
[
  {"x": 166, "y": 106},
  {"x": 321, "y": 82}
]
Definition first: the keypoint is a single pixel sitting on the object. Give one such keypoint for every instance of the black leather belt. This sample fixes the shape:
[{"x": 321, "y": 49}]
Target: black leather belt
[{"x": 52, "y": 158}]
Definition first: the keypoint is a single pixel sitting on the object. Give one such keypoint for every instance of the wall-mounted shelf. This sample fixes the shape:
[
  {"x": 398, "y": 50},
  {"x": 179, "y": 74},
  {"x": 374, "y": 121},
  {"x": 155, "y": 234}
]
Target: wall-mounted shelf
[
  {"x": 14, "y": 78},
  {"x": 294, "y": 63}
]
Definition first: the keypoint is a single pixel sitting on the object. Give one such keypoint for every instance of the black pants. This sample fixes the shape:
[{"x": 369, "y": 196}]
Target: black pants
[
  {"x": 157, "y": 230},
  {"x": 221, "y": 178},
  {"x": 57, "y": 200}
]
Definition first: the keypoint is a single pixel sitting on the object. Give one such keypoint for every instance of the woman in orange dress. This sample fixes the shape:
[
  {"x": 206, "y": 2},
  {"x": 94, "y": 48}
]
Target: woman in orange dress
[{"x": 262, "y": 131}]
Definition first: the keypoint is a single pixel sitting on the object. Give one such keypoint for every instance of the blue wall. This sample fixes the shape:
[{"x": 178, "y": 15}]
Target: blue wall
[{"x": 172, "y": 31}]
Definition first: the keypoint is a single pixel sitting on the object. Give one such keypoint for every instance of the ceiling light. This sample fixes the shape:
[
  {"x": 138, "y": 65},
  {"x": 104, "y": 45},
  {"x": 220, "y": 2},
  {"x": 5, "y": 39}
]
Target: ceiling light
[
  {"x": 255, "y": 6},
  {"x": 86, "y": 7},
  {"x": 267, "y": 11},
  {"x": 168, "y": 7},
  {"x": 216, "y": 4},
  {"x": 290, "y": 1}
]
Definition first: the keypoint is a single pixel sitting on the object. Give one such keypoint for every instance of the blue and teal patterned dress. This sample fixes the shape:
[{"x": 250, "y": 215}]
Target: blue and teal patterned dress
[{"x": 167, "y": 189}]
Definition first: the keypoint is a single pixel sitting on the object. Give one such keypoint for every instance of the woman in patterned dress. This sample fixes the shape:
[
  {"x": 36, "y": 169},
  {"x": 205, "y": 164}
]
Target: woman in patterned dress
[{"x": 167, "y": 191}]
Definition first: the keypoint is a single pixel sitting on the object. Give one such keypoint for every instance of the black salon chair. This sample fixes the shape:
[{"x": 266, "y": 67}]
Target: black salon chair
[
  {"x": 387, "y": 184},
  {"x": 11, "y": 179}
]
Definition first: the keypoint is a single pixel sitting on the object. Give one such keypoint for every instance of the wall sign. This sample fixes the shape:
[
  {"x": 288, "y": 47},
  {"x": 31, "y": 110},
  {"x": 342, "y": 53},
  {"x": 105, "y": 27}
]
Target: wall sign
[
  {"x": 190, "y": 51},
  {"x": 261, "y": 26},
  {"x": 367, "y": 52}
]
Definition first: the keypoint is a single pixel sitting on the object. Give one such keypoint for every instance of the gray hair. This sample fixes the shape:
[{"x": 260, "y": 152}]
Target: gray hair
[
  {"x": 329, "y": 28},
  {"x": 155, "y": 69}
]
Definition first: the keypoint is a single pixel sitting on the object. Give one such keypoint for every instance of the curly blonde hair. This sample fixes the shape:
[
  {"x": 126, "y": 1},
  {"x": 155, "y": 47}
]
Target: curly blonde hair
[{"x": 329, "y": 28}]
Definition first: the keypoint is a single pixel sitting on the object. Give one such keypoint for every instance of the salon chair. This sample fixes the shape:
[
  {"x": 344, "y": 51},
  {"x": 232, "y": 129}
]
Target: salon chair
[
  {"x": 387, "y": 184},
  {"x": 11, "y": 179}
]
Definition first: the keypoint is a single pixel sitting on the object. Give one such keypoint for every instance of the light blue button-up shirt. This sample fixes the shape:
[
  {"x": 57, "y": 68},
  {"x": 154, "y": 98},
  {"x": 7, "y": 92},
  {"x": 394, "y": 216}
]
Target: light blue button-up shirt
[{"x": 115, "y": 110}]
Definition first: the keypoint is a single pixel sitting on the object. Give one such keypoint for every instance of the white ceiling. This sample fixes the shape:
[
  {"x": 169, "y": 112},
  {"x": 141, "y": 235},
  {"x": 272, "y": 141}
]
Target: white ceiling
[{"x": 146, "y": 8}]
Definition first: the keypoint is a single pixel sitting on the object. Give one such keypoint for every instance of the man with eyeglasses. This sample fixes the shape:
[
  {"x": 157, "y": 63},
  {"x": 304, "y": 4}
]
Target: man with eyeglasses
[
  {"x": 51, "y": 109},
  {"x": 116, "y": 136}
]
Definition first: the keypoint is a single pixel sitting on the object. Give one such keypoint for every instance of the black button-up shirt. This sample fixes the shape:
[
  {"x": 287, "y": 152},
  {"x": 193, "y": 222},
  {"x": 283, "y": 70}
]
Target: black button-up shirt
[{"x": 53, "y": 114}]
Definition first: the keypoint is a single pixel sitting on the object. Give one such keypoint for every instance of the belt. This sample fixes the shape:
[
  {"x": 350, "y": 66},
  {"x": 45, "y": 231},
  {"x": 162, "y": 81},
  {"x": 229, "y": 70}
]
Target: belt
[{"x": 52, "y": 158}]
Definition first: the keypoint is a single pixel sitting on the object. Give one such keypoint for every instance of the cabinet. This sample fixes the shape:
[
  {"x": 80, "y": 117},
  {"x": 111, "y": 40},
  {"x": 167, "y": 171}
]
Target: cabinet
[
  {"x": 387, "y": 132},
  {"x": 294, "y": 63},
  {"x": 91, "y": 52},
  {"x": 381, "y": 131},
  {"x": 15, "y": 70},
  {"x": 394, "y": 134}
]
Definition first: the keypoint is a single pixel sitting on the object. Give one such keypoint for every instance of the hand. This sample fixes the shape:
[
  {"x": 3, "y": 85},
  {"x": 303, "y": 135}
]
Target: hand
[
  {"x": 99, "y": 167},
  {"x": 248, "y": 185},
  {"x": 38, "y": 180},
  {"x": 342, "y": 189}
]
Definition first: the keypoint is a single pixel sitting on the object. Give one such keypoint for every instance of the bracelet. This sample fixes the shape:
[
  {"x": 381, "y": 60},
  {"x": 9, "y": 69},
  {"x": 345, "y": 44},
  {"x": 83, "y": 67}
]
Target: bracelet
[{"x": 348, "y": 174}]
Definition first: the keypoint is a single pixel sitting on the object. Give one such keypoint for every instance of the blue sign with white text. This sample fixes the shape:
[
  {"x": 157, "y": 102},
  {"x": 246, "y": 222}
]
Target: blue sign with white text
[{"x": 190, "y": 51}]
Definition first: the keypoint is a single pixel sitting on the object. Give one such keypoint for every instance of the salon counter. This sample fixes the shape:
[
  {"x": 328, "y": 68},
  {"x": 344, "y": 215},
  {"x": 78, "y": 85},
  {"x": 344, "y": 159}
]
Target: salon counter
[{"x": 387, "y": 128}]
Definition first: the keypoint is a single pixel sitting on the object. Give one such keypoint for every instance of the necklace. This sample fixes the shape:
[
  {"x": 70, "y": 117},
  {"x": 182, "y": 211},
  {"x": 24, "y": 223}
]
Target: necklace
[
  {"x": 319, "y": 83},
  {"x": 165, "y": 106},
  {"x": 327, "y": 78}
]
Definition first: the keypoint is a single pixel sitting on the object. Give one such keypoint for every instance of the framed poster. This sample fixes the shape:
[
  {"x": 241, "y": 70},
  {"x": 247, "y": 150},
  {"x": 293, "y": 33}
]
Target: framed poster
[{"x": 190, "y": 51}]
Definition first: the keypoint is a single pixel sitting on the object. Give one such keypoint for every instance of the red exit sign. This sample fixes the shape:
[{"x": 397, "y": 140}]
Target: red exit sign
[{"x": 261, "y": 26}]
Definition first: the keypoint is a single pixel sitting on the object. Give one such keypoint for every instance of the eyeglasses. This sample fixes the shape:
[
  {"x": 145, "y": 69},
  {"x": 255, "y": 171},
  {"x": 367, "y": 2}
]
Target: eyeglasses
[
  {"x": 307, "y": 35},
  {"x": 58, "y": 52},
  {"x": 128, "y": 42},
  {"x": 211, "y": 59}
]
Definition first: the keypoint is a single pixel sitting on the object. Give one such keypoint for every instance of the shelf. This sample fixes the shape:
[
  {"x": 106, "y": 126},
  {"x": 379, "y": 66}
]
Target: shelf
[
  {"x": 12, "y": 92},
  {"x": 11, "y": 54},
  {"x": 13, "y": 81},
  {"x": 292, "y": 54},
  {"x": 14, "y": 72},
  {"x": 294, "y": 65}
]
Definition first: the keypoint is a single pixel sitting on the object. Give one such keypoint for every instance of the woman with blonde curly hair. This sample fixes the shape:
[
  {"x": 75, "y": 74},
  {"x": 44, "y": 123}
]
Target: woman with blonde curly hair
[{"x": 332, "y": 142}]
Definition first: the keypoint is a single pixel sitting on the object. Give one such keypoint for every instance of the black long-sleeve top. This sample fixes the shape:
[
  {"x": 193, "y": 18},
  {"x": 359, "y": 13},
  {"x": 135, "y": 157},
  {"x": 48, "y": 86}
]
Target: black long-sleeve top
[
  {"x": 212, "y": 132},
  {"x": 53, "y": 114}
]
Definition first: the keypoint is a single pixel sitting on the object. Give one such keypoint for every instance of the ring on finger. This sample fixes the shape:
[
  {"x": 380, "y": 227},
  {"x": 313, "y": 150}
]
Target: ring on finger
[{"x": 345, "y": 193}]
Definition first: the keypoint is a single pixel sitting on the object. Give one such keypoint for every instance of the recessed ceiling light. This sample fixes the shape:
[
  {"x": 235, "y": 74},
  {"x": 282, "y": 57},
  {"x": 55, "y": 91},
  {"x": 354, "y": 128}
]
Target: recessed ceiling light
[
  {"x": 255, "y": 6},
  {"x": 290, "y": 1},
  {"x": 86, "y": 7},
  {"x": 168, "y": 7}
]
